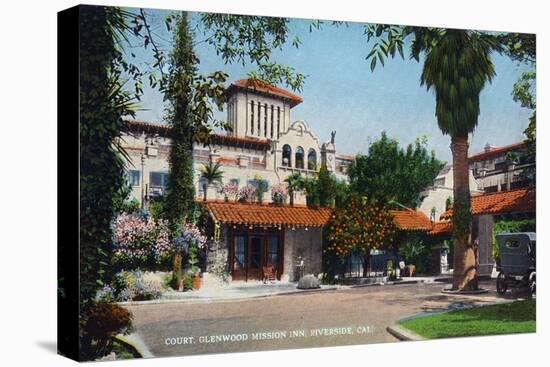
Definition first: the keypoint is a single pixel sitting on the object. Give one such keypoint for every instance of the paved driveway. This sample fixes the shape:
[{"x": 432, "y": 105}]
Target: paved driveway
[{"x": 328, "y": 318}]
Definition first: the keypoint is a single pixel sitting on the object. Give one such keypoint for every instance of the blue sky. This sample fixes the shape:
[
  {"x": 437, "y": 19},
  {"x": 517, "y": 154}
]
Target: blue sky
[{"x": 342, "y": 94}]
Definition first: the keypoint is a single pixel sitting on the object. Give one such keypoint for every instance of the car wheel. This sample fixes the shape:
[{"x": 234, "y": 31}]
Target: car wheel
[
  {"x": 533, "y": 284},
  {"x": 501, "y": 283}
]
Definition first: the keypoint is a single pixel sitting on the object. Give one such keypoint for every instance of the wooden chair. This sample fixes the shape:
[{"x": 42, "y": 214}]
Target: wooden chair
[{"x": 270, "y": 274}]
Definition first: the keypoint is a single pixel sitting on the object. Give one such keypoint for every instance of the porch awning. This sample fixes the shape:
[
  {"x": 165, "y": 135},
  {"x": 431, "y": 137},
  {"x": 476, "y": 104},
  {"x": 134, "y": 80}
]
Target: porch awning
[
  {"x": 267, "y": 214},
  {"x": 299, "y": 215}
]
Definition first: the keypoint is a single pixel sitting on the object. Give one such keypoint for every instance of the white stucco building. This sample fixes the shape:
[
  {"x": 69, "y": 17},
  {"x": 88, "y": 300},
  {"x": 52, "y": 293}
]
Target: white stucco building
[
  {"x": 263, "y": 143},
  {"x": 435, "y": 197}
]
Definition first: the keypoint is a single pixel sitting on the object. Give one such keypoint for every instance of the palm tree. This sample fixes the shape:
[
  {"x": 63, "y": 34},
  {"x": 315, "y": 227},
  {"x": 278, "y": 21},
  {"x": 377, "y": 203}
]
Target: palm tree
[
  {"x": 212, "y": 173},
  {"x": 457, "y": 66},
  {"x": 295, "y": 183}
]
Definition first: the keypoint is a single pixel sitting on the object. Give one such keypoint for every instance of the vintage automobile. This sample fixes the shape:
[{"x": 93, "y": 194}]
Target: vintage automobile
[{"x": 516, "y": 264}]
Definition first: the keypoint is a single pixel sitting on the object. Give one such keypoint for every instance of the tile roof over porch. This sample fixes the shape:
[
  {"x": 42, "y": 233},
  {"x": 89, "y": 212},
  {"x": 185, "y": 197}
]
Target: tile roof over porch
[
  {"x": 503, "y": 202},
  {"x": 411, "y": 220},
  {"x": 299, "y": 215},
  {"x": 513, "y": 201},
  {"x": 267, "y": 214}
]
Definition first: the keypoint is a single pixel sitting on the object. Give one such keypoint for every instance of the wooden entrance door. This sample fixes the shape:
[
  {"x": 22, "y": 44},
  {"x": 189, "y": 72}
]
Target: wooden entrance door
[
  {"x": 251, "y": 251},
  {"x": 256, "y": 254}
]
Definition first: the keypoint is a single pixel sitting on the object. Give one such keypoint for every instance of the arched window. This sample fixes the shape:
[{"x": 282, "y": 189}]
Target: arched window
[
  {"x": 299, "y": 158},
  {"x": 287, "y": 153},
  {"x": 312, "y": 160}
]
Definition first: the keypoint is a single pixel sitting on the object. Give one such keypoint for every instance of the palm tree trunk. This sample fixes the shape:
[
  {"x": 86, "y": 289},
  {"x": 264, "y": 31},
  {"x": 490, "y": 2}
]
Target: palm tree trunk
[{"x": 465, "y": 272}]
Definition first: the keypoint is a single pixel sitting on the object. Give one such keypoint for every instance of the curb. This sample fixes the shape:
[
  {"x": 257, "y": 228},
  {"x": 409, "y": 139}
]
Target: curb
[
  {"x": 403, "y": 334},
  {"x": 293, "y": 292},
  {"x": 223, "y": 300},
  {"x": 401, "y": 282},
  {"x": 407, "y": 335},
  {"x": 134, "y": 342}
]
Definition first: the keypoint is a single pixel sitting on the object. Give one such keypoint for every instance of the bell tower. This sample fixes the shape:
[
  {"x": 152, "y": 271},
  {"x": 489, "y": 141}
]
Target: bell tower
[{"x": 259, "y": 110}]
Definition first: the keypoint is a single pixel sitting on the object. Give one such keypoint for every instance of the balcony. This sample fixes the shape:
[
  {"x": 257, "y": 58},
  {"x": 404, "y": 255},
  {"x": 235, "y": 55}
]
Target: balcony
[{"x": 302, "y": 171}]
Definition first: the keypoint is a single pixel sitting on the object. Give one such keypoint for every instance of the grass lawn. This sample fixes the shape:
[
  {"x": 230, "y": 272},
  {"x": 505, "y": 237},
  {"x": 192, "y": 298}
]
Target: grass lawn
[{"x": 516, "y": 317}]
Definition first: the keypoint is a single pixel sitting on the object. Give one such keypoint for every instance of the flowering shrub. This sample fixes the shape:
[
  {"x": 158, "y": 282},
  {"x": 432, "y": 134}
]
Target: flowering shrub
[
  {"x": 247, "y": 193},
  {"x": 230, "y": 191},
  {"x": 105, "y": 294},
  {"x": 141, "y": 241},
  {"x": 278, "y": 193},
  {"x": 135, "y": 286},
  {"x": 190, "y": 235}
]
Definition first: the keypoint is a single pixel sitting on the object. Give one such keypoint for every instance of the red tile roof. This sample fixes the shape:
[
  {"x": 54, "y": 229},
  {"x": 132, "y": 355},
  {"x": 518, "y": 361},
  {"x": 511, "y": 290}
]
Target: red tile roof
[
  {"x": 267, "y": 214},
  {"x": 514, "y": 201},
  {"x": 496, "y": 151},
  {"x": 164, "y": 130},
  {"x": 270, "y": 214},
  {"x": 227, "y": 160},
  {"x": 408, "y": 219},
  {"x": 256, "y": 143},
  {"x": 443, "y": 227},
  {"x": 258, "y": 85},
  {"x": 144, "y": 126},
  {"x": 345, "y": 157}
]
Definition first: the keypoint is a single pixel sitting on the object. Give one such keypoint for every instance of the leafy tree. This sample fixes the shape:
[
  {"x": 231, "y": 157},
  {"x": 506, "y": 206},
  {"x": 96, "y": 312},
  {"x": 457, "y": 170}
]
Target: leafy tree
[
  {"x": 390, "y": 173},
  {"x": 362, "y": 225},
  {"x": 212, "y": 173},
  {"x": 326, "y": 187},
  {"x": 189, "y": 114},
  {"x": 319, "y": 190},
  {"x": 252, "y": 39},
  {"x": 311, "y": 190},
  {"x": 341, "y": 193},
  {"x": 457, "y": 65},
  {"x": 521, "y": 47},
  {"x": 525, "y": 93},
  {"x": 103, "y": 102}
]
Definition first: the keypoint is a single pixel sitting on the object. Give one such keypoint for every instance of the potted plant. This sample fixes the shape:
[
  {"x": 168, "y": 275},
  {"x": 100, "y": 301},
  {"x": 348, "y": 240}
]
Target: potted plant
[
  {"x": 261, "y": 186},
  {"x": 194, "y": 268},
  {"x": 411, "y": 252},
  {"x": 212, "y": 174},
  {"x": 278, "y": 194}
]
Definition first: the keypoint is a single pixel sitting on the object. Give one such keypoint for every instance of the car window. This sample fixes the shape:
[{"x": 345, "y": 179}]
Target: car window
[{"x": 512, "y": 243}]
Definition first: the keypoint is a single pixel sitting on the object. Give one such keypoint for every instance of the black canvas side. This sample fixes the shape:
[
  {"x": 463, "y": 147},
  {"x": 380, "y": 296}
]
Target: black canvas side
[{"x": 68, "y": 182}]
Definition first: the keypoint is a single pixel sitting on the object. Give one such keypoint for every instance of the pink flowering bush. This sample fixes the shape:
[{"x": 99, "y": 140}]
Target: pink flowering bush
[
  {"x": 247, "y": 193},
  {"x": 230, "y": 191},
  {"x": 140, "y": 241},
  {"x": 278, "y": 193}
]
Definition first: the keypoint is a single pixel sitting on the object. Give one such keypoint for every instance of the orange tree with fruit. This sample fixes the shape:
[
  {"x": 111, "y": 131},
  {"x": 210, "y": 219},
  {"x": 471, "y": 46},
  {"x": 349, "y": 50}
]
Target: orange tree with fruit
[{"x": 361, "y": 225}]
